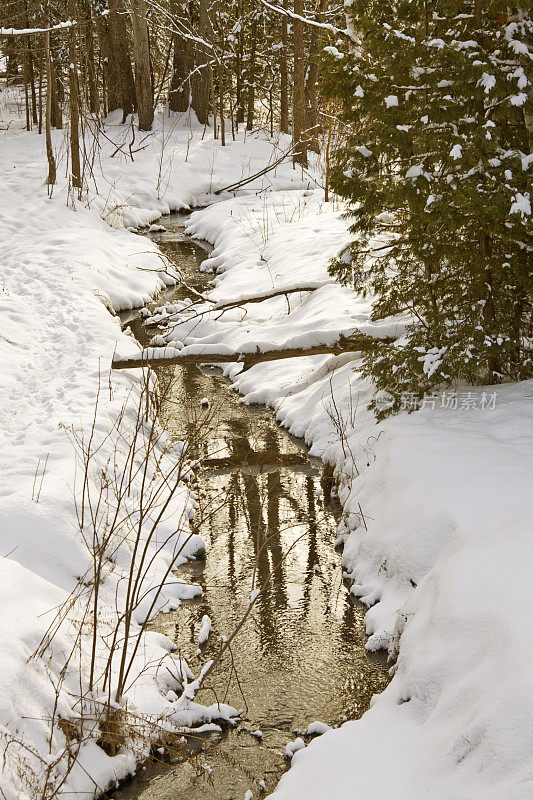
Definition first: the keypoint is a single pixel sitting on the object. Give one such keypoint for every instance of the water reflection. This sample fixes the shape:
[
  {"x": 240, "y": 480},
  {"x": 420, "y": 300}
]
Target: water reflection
[{"x": 265, "y": 512}]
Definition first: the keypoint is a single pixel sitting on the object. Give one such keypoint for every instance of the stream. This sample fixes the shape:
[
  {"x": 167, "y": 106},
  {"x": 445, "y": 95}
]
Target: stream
[{"x": 301, "y": 655}]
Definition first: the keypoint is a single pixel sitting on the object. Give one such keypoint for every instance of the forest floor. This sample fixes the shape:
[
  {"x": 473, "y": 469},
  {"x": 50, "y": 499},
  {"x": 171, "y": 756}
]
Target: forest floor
[{"x": 436, "y": 504}]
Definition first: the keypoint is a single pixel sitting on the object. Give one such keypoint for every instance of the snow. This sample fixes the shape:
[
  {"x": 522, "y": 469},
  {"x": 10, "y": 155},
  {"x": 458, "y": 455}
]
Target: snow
[
  {"x": 521, "y": 204},
  {"x": 456, "y": 151},
  {"x": 293, "y": 747},
  {"x": 415, "y": 171},
  {"x": 318, "y": 728},
  {"x": 26, "y": 31},
  {"x": 205, "y": 630},
  {"x": 334, "y": 51}
]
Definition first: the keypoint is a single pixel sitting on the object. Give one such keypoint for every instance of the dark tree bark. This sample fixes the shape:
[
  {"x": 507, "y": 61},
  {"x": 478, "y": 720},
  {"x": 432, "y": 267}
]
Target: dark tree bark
[
  {"x": 93, "y": 101},
  {"x": 311, "y": 93},
  {"x": 143, "y": 74},
  {"x": 111, "y": 80},
  {"x": 239, "y": 92},
  {"x": 53, "y": 89},
  {"x": 221, "y": 105},
  {"x": 182, "y": 80},
  {"x": 29, "y": 72},
  {"x": 284, "y": 74},
  {"x": 202, "y": 81},
  {"x": 250, "y": 110},
  {"x": 74, "y": 100},
  {"x": 190, "y": 85},
  {"x": 179, "y": 95},
  {"x": 119, "y": 52},
  {"x": 51, "y": 179}
]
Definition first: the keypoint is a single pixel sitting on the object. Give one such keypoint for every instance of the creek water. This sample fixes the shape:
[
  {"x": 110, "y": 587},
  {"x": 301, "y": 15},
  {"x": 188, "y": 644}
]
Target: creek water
[{"x": 265, "y": 510}]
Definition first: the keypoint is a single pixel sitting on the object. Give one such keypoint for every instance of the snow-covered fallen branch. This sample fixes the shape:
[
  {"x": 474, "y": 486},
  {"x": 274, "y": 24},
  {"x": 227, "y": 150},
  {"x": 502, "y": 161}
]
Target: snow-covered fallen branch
[{"x": 159, "y": 356}]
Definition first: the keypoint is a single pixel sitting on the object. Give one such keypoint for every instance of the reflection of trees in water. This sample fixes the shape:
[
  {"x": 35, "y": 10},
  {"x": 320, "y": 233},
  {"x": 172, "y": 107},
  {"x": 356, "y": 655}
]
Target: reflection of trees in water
[
  {"x": 265, "y": 536},
  {"x": 349, "y": 622},
  {"x": 312, "y": 548},
  {"x": 261, "y": 497},
  {"x": 233, "y": 489}
]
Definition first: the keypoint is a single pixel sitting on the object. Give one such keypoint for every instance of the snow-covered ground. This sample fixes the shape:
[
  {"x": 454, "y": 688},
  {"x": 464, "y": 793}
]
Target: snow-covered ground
[
  {"x": 437, "y": 505},
  {"x": 65, "y": 266},
  {"x": 436, "y": 524}
]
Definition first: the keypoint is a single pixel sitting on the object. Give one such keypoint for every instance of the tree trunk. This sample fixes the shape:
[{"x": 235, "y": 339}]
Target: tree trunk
[
  {"x": 52, "y": 89},
  {"x": 284, "y": 74},
  {"x": 299, "y": 138},
  {"x": 30, "y": 68},
  {"x": 120, "y": 53},
  {"x": 202, "y": 79},
  {"x": 143, "y": 76},
  {"x": 40, "y": 102},
  {"x": 180, "y": 89},
  {"x": 311, "y": 94},
  {"x": 221, "y": 105},
  {"x": 250, "y": 111},
  {"x": 111, "y": 80},
  {"x": 239, "y": 70},
  {"x": 179, "y": 93},
  {"x": 51, "y": 179},
  {"x": 74, "y": 100},
  {"x": 528, "y": 105},
  {"x": 90, "y": 61},
  {"x": 26, "y": 97}
]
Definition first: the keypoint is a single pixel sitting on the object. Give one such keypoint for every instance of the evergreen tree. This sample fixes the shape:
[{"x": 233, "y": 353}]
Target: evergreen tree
[{"x": 436, "y": 166}]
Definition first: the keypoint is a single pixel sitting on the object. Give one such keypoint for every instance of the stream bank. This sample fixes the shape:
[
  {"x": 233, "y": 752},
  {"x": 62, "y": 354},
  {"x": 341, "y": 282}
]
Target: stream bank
[{"x": 300, "y": 656}]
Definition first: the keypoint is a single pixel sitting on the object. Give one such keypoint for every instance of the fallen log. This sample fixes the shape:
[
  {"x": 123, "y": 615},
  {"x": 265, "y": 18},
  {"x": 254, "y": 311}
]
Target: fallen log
[{"x": 355, "y": 343}]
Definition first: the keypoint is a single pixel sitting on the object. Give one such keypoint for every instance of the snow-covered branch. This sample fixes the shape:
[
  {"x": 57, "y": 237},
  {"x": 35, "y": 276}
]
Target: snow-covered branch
[
  {"x": 31, "y": 31},
  {"x": 328, "y": 26}
]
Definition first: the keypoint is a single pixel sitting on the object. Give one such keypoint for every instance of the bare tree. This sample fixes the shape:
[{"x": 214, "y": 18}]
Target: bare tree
[
  {"x": 251, "y": 73},
  {"x": 74, "y": 100},
  {"x": 120, "y": 58},
  {"x": 284, "y": 73},
  {"x": 89, "y": 59},
  {"x": 182, "y": 78},
  {"x": 48, "y": 119},
  {"x": 143, "y": 76}
]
